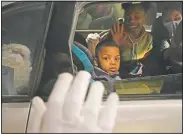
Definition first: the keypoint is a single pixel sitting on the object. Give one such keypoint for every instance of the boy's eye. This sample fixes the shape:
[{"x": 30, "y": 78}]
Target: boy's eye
[
  {"x": 117, "y": 58},
  {"x": 106, "y": 58}
]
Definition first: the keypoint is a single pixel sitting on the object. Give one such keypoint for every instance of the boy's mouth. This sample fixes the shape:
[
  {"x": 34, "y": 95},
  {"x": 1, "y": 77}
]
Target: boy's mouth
[{"x": 113, "y": 69}]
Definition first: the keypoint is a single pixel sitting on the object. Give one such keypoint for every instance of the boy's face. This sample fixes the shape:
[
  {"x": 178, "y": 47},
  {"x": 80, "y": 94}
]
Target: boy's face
[
  {"x": 109, "y": 59},
  {"x": 134, "y": 18}
]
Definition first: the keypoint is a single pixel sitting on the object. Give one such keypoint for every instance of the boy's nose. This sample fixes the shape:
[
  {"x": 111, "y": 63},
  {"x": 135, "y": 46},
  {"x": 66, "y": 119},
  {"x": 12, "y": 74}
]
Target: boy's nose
[{"x": 113, "y": 62}]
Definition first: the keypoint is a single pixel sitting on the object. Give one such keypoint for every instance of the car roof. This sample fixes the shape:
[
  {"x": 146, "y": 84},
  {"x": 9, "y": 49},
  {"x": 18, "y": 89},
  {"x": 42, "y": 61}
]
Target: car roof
[{"x": 4, "y": 3}]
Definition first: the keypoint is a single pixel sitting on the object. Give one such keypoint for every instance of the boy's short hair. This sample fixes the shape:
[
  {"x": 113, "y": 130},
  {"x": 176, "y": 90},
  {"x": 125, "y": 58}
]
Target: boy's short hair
[
  {"x": 104, "y": 43},
  {"x": 145, "y": 6}
]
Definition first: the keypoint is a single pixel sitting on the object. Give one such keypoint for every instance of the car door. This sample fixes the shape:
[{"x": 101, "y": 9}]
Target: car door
[
  {"x": 24, "y": 26},
  {"x": 155, "y": 105}
]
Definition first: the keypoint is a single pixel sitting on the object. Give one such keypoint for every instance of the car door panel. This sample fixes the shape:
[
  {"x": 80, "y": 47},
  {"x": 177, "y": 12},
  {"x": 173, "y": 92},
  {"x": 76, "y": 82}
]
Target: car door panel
[
  {"x": 149, "y": 116},
  {"x": 14, "y": 117}
]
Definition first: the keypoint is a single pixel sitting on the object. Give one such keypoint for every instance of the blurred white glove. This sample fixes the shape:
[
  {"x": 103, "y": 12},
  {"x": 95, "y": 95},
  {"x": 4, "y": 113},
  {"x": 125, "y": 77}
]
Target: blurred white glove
[
  {"x": 92, "y": 41},
  {"x": 66, "y": 111},
  {"x": 92, "y": 36}
]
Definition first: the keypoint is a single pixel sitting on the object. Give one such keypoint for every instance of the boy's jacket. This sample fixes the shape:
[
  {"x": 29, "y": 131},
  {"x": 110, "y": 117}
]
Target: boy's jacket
[{"x": 99, "y": 74}]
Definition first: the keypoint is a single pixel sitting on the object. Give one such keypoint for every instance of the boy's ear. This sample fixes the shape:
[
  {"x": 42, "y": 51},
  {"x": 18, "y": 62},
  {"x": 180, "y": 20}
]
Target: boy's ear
[{"x": 95, "y": 62}]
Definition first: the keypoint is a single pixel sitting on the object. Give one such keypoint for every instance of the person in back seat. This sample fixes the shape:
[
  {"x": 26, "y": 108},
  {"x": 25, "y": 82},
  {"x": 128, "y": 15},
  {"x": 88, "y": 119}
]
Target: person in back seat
[
  {"x": 134, "y": 41},
  {"x": 107, "y": 56},
  {"x": 174, "y": 52},
  {"x": 165, "y": 26},
  {"x": 107, "y": 63},
  {"x": 164, "y": 29}
]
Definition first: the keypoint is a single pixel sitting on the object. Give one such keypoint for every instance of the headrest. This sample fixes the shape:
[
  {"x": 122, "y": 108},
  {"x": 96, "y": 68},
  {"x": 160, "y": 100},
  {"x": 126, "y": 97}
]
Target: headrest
[
  {"x": 85, "y": 50},
  {"x": 88, "y": 66}
]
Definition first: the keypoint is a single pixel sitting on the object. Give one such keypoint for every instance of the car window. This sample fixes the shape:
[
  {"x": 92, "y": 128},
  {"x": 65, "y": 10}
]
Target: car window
[
  {"x": 22, "y": 34},
  {"x": 157, "y": 72}
]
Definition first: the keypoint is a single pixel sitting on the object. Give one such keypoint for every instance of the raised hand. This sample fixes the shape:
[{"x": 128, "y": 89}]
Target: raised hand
[
  {"x": 66, "y": 111},
  {"x": 118, "y": 34}
]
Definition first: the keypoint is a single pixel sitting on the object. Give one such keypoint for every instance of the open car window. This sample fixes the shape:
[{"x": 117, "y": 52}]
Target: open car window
[{"x": 161, "y": 67}]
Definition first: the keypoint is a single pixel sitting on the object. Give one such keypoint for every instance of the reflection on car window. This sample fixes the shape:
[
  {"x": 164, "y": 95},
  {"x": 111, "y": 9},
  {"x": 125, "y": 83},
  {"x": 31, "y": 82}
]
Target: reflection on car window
[{"x": 20, "y": 34}]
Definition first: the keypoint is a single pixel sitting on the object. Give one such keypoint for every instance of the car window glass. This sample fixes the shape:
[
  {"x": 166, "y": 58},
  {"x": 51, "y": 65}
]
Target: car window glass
[{"x": 21, "y": 31}]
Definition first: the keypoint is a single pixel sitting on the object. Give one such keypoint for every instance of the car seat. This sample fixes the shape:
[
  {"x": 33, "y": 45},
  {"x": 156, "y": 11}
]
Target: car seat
[
  {"x": 103, "y": 22},
  {"x": 82, "y": 57},
  {"x": 151, "y": 14},
  {"x": 83, "y": 60},
  {"x": 85, "y": 50}
]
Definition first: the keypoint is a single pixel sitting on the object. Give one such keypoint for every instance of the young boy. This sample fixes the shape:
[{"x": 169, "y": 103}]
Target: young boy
[
  {"x": 107, "y": 59},
  {"x": 107, "y": 63}
]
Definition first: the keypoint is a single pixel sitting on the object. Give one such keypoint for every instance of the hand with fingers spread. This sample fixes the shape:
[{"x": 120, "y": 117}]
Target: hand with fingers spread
[
  {"x": 66, "y": 111},
  {"x": 118, "y": 34}
]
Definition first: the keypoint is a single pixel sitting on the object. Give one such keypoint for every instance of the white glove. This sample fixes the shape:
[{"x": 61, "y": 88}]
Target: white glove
[
  {"x": 66, "y": 111},
  {"x": 92, "y": 37}
]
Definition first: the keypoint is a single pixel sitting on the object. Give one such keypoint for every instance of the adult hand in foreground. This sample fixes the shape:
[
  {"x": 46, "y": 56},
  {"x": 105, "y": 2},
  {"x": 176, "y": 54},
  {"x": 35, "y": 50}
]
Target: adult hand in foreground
[{"x": 66, "y": 112}]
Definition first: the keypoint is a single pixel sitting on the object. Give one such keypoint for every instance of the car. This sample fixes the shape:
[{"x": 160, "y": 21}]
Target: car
[{"x": 49, "y": 30}]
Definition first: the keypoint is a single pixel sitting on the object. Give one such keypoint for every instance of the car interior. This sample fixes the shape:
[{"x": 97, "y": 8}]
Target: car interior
[{"x": 148, "y": 84}]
